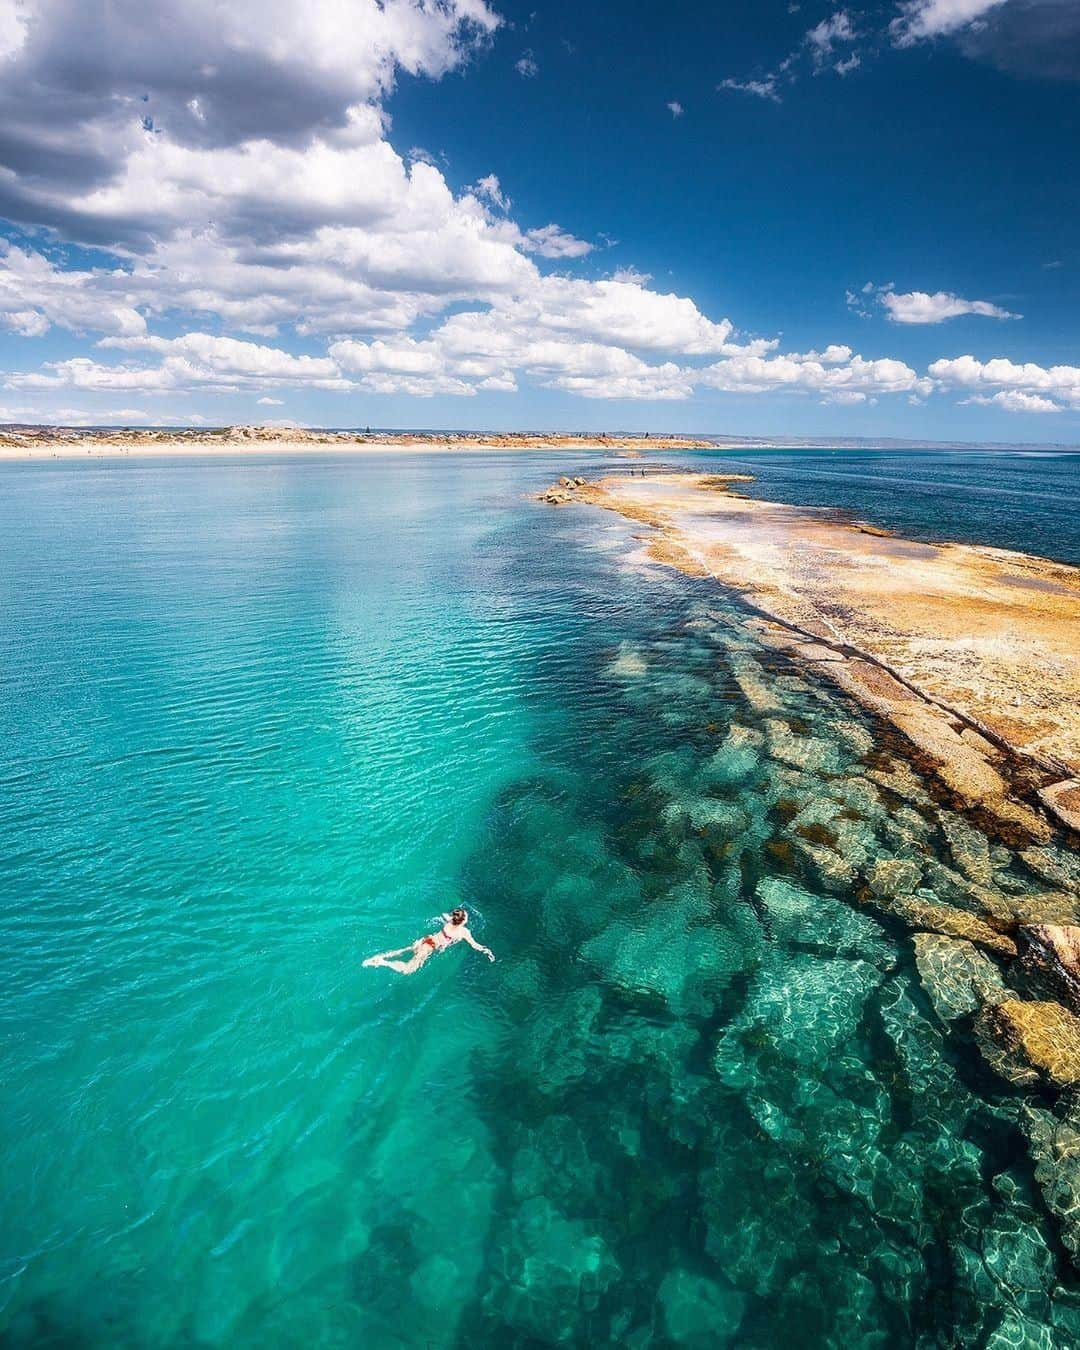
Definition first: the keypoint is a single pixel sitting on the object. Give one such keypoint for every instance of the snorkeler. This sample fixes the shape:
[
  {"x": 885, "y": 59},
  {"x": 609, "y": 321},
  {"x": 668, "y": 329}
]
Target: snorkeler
[{"x": 455, "y": 929}]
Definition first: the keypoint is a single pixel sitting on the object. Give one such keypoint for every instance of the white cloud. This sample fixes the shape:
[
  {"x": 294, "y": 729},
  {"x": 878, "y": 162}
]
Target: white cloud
[
  {"x": 1015, "y": 400},
  {"x": 919, "y": 307},
  {"x": 271, "y": 402},
  {"x": 675, "y": 108},
  {"x": 35, "y": 295},
  {"x": 79, "y": 80},
  {"x": 552, "y": 241},
  {"x": 194, "y": 361},
  {"x": 1061, "y": 383},
  {"x": 922, "y": 19},
  {"x": 836, "y": 374},
  {"x": 763, "y": 88},
  {"x": 231, "y": 165},
  {"x": 526, "y": 66},
  {"x": 828, "y": 34},
  {"x": 490, "y": 190},
  {"x": 45, "y": 414}
]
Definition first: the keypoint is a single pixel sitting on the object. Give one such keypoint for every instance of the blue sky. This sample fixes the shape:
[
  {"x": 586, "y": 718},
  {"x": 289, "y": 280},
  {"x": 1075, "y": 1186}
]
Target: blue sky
[{"x": 764, "y": 218}]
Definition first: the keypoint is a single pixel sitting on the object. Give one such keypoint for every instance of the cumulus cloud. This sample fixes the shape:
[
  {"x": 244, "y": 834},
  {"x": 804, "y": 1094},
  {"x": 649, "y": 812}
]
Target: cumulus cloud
[
  {"x": 1015, "y": 400},
  {"x": 919, "y": 307},
  {"x": 837, "y": 375},
  {"x": 232, "y": 167},
  {"x": 922, "y": 19},
  {"x": 489, "y": 189},
  {"x": 1050, "y": 384},
  {"x": 194, "y": 361},
  {"x": 35, "y": 295},
  {"x": 83, "y": 85}
]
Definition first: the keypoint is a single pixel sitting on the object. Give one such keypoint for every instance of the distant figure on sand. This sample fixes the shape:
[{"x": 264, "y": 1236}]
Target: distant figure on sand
[{"x": 455, "y": 929}]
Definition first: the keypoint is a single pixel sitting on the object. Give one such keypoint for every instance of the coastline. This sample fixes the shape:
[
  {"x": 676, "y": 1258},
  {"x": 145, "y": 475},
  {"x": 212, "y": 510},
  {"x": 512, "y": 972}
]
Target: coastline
[
  {"x": 54, "y": 443},
  {"x": 970, "y": 652}
]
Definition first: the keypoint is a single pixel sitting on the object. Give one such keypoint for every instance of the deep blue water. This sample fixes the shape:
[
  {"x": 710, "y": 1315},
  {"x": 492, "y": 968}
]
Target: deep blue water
[
  {"x": 263, "y": 718},
  {"x": 1028, "y": 500}
]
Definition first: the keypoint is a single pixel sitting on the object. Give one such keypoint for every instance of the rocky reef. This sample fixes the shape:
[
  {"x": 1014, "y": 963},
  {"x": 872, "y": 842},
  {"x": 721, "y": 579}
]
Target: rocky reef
[
  {"x": 971, "y": 652},
  {"x": 803, "y": 1051}
]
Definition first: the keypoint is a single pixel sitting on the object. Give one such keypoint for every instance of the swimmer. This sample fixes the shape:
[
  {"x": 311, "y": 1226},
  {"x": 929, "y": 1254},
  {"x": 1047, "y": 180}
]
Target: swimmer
[{"x": 455, "y": 929}]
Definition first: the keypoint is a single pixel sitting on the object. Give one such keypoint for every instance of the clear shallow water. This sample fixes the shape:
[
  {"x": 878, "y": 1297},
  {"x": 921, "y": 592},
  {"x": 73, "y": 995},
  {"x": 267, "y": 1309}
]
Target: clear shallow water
[{"x": 263, "y": 719}]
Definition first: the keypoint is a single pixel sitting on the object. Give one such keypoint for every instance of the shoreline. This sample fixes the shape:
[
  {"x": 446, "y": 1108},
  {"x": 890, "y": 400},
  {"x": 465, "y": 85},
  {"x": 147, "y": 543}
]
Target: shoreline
[
  {"x": 971, "y": 652},
  {"x": 53, "y": 444}
]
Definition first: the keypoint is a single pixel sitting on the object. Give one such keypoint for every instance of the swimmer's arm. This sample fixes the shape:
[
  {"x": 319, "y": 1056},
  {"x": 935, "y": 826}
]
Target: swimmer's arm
[{"x": 477, "y": 947}]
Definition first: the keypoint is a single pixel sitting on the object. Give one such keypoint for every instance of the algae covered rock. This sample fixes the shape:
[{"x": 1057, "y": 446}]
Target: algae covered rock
[
  {"x": 957, "y": 977},
  {"x": 1031, "y": 1042}
]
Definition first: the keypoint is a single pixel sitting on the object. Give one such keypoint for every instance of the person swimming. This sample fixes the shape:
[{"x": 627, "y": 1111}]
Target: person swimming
[{"x": 455, "y": 929}]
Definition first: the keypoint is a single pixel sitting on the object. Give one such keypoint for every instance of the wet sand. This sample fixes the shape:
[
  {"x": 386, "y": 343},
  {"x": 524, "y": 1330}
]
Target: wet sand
[{"x": 972, "y": 652}]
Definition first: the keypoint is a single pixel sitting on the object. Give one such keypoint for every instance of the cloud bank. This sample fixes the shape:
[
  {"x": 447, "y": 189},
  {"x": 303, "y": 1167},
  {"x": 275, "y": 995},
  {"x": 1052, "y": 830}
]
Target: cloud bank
[{"x": 204, "y": 186}]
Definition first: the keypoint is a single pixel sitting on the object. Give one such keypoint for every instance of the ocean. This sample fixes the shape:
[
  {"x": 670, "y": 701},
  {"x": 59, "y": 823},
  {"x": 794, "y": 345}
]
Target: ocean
[{"x": 264, "y": 717}]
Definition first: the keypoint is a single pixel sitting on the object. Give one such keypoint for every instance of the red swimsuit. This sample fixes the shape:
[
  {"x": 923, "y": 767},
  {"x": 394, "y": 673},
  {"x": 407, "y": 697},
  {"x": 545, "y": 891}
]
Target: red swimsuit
[{"x": 432, "y": 940}]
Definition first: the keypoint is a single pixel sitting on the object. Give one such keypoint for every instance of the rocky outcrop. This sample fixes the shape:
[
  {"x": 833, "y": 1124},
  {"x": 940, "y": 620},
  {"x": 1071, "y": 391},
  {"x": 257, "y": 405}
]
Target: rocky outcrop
[
  {"x": 970, "y": 652},
  {"x": 1031, "y": 1042}
]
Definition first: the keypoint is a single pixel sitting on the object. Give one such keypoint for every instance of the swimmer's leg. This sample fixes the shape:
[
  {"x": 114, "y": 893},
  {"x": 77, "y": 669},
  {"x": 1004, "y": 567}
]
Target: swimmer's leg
[
  {"x": 380, "y": 957},
  {"x": 421, "y": 952}
]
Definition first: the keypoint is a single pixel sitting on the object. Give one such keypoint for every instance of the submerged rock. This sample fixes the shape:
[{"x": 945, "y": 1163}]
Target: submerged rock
[
  {"x": 554, "y": 1269},
  {"x": 803, "y": 1010},
  {"x": 957, "y": 923},
  {"x": 957, "y": 977},
  {"x": 795, "y": 916},
  {"x": 969, "y": 847},
  {"x": 801, "y": 751},
  {"x": 1031, "y": 1042},
  {"x": 1055, "y": 866},
  {"x": 698, "y": 1311},
  {"x": 1055, "y": 1149},
  {"x": 1053, "y": 956},
  {"x": 826, "y": 866},
  {"x": 890, "y": 877},
  {"x": 737, "y": 759}
]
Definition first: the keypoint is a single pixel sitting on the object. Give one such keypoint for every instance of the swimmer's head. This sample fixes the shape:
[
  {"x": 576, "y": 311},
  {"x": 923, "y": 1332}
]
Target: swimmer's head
[{"x": 458, "y": 916}]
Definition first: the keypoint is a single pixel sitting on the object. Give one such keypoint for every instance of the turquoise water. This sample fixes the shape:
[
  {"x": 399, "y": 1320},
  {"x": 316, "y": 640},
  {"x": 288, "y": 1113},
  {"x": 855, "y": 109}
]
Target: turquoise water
[{"x": 261, "y": 719}]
